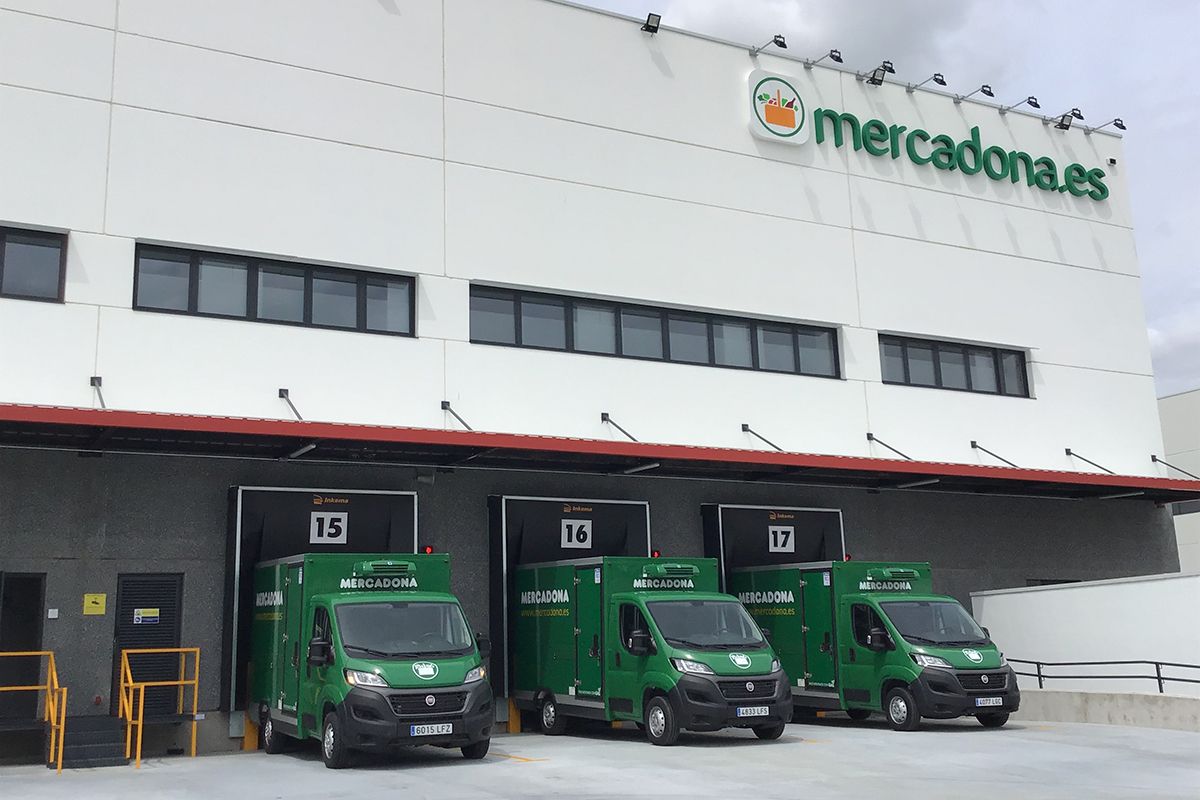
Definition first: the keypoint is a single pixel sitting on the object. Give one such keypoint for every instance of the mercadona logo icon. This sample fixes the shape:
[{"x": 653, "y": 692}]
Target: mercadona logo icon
[
  {"x": 740, "y": 660},
  {"x": 777, "y": 110},
  {"x": 974, "y": 655},
  {"x": 425, "y": 670}
]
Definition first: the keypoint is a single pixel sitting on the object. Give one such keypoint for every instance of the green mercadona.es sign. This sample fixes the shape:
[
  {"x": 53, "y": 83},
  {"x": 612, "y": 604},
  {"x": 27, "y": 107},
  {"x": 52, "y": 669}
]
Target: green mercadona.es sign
[{"x": 779, "y": 114}]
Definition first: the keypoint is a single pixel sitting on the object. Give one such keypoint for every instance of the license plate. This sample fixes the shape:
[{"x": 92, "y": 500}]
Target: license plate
[
  {"x": 753, "y": 711},
  {"x": 430, "y": 730},
  {"x": 988, "y": 701}
]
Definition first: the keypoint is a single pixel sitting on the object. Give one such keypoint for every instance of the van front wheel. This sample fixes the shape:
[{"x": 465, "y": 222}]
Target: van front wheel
[
  {"x": 476, "y": 750},
  {"x": 769, "y": 732},
  {"x": 334, "y": 752},
  {"x": 553, "y": 722},
  {"x": 272, "y": 740},
  {"x": 662, "y": 728},
  {"x": 901, "y": 710}
]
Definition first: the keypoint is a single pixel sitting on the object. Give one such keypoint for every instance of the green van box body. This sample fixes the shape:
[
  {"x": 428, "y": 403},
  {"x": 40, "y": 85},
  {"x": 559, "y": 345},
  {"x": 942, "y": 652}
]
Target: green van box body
[
  {"x": 568, "y": 646},
  {"x": 289, "y": 594},
  {"x": 810, "y": 610}
]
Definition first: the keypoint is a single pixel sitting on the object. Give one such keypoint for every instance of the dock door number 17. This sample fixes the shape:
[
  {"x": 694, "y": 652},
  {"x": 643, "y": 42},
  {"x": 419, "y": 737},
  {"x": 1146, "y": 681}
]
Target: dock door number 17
[{"x": 577, "y": 534}]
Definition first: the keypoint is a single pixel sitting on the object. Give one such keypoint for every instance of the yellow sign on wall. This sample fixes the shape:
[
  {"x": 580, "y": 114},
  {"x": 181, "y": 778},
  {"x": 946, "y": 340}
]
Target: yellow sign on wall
[{"x": 94, "y": 605}]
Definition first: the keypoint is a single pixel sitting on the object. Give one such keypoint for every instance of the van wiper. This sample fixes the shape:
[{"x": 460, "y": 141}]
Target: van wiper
[
  {"x": 687, "y": 642},
  {"x": 913, "y": 638},
  {"x": 369, "y": 651}
]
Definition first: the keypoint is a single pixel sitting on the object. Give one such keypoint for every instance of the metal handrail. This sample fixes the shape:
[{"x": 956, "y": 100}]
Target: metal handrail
[
  {"x": 55, "y": 707},
  {"x": 129, "y": 687},
  {"x": 1157, "y": 676}
]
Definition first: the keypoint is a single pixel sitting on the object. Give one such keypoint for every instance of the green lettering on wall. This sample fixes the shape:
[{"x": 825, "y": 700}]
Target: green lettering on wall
[
  {"x": 970, "y": 147},
  {"x": 895, "y": 131},
  {"x": 943, "y": 155},
  {"x": 1076, "y": 179},
  {"x": 1099, "y": 190},
  {"x": 875, "y": 133},
  {"x": 995, "y": 171},
  {"x": 821, "y": 115},
  {"x": 1046, "y": 176},
  {"x": 1015, "y": 157},
  {"x": 911, "y": 148}
]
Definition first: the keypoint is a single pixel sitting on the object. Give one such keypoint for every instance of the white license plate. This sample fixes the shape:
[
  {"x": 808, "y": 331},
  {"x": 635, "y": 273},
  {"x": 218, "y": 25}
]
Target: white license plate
[
  {"x": 988, "y": 701},
  {"x": 430, "y": 730},
  {"x": 753, "y": 711}
]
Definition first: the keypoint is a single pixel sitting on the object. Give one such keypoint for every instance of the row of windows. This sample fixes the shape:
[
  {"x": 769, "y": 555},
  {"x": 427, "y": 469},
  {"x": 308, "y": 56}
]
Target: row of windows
[
  {"x": 948, "y": 365},
  {"x": 32, "y": 264},
  {"x": 211, "y": 285},
  {"x": 527, "y": 319}
]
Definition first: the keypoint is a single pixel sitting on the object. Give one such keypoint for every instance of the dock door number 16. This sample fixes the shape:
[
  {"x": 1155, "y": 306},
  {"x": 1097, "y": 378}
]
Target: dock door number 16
[{"x": 577, "y": 534}]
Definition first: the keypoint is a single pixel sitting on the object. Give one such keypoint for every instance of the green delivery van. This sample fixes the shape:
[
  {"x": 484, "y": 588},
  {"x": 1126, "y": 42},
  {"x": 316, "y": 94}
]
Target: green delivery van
[
  {"x": 867, "y": 637},
  {"x": 641, "y": 639},
  {"x": 366, "y": 652}
]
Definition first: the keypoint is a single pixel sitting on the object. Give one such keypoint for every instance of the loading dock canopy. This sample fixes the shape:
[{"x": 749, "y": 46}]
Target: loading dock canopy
[{"x": 97, "y": 431}]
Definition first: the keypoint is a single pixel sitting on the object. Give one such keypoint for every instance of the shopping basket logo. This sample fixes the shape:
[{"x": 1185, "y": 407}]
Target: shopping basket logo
[{"x": 778, "y": 111}]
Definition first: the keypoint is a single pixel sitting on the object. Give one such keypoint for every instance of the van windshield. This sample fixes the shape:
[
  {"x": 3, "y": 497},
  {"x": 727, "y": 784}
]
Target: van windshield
[
  {"x": 706, "y": 624},
  {"x": 940, "y": 622},
  {"x": 403, "y": 630}
]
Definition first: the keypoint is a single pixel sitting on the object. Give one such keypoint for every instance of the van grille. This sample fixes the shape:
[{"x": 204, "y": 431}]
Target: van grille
[
  {"x": 973, "y": 681},
  {"x": 414, "y": 705},
  {"x": 736, "y": 690}
]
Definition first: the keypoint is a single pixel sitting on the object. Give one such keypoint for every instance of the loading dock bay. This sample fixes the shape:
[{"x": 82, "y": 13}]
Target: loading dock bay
[{"x": 831, "y": 759}]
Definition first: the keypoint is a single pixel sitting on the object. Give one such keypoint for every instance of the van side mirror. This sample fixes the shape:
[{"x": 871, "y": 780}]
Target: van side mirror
[
  {"x": 986, "y": 632},
  {"x": 766, "y": 632},
  {"x": 320, "y": 653},
  {"x": 484, "y": 644},
  {"x": 640, "y": 642},
  {"x": 877, "y": 639}
]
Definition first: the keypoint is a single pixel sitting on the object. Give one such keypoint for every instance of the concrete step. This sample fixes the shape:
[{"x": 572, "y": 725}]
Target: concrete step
[{"x": 88, "y": 763}]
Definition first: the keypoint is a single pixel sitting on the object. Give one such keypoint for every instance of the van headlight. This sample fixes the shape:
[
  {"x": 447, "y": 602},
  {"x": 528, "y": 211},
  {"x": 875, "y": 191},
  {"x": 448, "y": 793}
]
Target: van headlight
[
  {"x": 775, "y": 665},
  {"x": 1003, "y": 660},
  {"x": 930, "y": 661},
  {"x": 356, "y": 677},
  {"x": 691, "y": 667},
  {"x": 477, "y": 674}
]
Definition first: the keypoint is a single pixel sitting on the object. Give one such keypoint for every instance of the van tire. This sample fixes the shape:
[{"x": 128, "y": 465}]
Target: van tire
[
  {"x": 769, "y": 732},
  {"x": 334, "y": 752},
  {"x": 476, "y": 750},
  {"x": 273, "y": 742},
  {"x": 900, "y": 708},
  {"x": 995, "y": 720},
  {"x": 858, "y": 714},
  {"x": 550, "y": 717},
  {"x": 662, "y": 727}
]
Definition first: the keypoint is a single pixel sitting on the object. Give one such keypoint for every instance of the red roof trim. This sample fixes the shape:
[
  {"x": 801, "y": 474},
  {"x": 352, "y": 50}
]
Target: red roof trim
[{"x": 57, "y": 415}]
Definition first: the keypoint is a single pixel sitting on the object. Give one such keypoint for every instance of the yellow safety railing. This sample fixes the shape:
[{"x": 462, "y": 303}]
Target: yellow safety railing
[
  {"x": 54, "y": 712},
  {"x": 134, "y": 714}
]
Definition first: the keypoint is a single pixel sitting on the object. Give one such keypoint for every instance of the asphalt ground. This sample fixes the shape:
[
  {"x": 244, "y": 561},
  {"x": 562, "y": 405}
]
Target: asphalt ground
[{"x": 831, "y": 758}]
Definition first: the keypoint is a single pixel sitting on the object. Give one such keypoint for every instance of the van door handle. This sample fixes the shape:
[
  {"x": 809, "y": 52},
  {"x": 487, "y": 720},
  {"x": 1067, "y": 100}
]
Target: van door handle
[
  {"x": 852, "y": 654},
  {"x": 595, "y": 651},
  {"x": 617, "y": 658}
]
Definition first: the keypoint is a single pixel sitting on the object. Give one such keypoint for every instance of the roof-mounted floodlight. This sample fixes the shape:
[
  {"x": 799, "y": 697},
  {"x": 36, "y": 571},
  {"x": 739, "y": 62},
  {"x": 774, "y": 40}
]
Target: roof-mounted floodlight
[
  {"x": 985, "y": 90},
  {"x": 833, "y": 55},
  {"x": 876, "y": 76},
  {"x": 652, "y": 23},
  {"x": 936, "y": 77},
  {"x": 1117, "y": 123},
  {"x": 1031, "y": 101},
  {"x": 776, "y": 40},
  {"x": 1063, "y": 121}
]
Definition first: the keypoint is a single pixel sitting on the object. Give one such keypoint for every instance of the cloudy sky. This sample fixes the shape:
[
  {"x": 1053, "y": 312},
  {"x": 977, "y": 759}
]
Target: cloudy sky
[{"x": 1110, "y": 58}]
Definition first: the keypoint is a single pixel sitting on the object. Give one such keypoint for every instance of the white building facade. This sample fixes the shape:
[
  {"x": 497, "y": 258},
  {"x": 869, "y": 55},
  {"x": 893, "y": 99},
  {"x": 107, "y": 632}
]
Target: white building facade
[
  {"x": 792, "y": 287},
  {"x": 1180, "y": 415}
]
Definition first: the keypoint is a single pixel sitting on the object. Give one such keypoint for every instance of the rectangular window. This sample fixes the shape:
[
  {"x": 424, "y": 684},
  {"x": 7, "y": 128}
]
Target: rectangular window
[
  {"x": 776, "y": 348},
  {"x": 631, "y": 619},
  {"x": 537, "y": 319},
  {"x": 32, "y": 264},
  {"x": 641, "y": 333},
  {"x": 222, "y": 287},
  {"x": 281, "y": 294},
  {"x": 733, "y": 344},
  {"x": 864, "y": 620},
  {"x": 543, "y": 323},
  {"x": 688, "y": 339},
  {"x": 216, "y": 285},
  {"x": 948, "y": 365},
  {"x": 595, "y": 329}
]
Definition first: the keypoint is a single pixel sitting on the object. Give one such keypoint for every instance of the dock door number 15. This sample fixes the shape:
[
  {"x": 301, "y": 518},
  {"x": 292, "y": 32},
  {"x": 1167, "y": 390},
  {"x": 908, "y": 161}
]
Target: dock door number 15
[
  {"x": 328, "y": 527},
  {"x": 577, "y": 534}
]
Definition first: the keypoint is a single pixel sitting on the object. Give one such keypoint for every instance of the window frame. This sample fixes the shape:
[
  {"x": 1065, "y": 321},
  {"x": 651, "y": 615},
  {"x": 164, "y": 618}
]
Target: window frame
[
  {"x": 664, "y": 315},
  {"x": 62, "y": 238},
  {"x": 254, "y": 265},
  {"x": 965, "y": 348}
]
